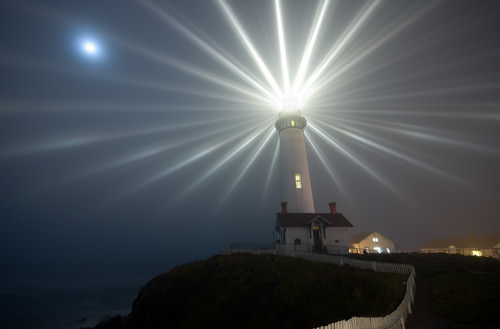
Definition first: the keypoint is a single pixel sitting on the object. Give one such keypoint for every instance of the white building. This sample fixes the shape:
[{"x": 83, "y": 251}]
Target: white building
[
  {"x": 295, "y": 181},
  {"x": 472, "y": 245},
  {"x": 298, "y": 226},
  {"x": 319, "y": 232},
  {"x": 370, "y": 242}
]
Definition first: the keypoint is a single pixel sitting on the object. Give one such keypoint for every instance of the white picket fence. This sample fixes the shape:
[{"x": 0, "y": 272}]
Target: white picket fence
[{"x": 395, "y": 320}]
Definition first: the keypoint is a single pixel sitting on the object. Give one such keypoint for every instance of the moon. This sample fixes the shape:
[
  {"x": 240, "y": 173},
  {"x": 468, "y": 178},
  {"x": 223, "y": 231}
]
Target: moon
[{"x": 90, "y": 47}]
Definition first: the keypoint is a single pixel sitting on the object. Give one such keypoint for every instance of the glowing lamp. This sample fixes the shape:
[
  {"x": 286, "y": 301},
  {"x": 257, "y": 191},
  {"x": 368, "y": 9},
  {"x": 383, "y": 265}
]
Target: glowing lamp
[{"x": 290, "y": 103}]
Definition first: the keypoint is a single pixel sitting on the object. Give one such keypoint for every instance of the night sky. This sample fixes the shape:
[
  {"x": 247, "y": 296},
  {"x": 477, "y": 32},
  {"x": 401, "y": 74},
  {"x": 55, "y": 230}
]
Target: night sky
[{"x": 156, "y": 148}]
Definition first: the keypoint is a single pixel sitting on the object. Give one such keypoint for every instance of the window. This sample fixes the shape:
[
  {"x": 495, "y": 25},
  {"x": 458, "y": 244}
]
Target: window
[
  {"x": 378, "y": 249},
  {"x": 298, "y": 181},
  {"x": 375, "y": 239},
  {"x": 388, "y": 250},
  {"x": 292, "y": 123},
  {"x": 476, "y": 253}
]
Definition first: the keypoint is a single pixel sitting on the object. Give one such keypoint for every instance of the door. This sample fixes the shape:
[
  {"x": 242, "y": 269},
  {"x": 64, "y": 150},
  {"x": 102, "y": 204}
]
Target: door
[{"x": 317, "y": 241}]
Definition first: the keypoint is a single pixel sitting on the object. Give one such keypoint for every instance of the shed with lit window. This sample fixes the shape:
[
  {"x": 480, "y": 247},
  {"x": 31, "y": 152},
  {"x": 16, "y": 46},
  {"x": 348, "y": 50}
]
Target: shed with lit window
[{"x": 370, "y": 242}]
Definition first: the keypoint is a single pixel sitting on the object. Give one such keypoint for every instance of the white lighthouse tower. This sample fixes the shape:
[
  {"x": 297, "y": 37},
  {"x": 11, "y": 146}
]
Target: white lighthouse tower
[
  {"x": 298, "y": 227},
  {"x": 294, "y": 176}
]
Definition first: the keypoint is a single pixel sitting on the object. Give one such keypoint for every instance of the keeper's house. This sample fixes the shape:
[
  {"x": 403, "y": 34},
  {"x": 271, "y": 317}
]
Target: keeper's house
[{"x": 318, "y": 232}]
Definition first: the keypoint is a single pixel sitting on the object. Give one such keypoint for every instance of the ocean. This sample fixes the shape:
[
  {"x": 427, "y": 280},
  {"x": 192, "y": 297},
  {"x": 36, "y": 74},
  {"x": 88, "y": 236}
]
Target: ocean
[{"x": 29, "y": 303}]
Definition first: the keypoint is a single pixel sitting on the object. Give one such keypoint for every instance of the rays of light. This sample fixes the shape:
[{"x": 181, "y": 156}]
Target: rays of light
[
  {"x": 461, "y": 87},
  {"x": 256, "y": 92},
  {"x": 370, "y": 142},
  {"x": 27, "y": 62},
  {"x": 65, "y": 142},
  {"x": 304, "y": 63},
  {"x": 339, "y": 45},
  {"x": 414, "y": 131},
  {"x": 203, "y": 45},
  {"x": 407, "y": 77},
  {"x": 382, "y": 38},
  {"x": 134, "y": 157},
  {"x": 417, "y": 110},
  {"x": 337, "y": 145},
  {"x": 57, "y": 144},
  {"x": 198, "y": 154},
  {"x": 281, "y": 37},
  {"x": 271, "y": 171},
  {"x": 249, "y": 45},
  {"x": 169, "y": 61},
  {"x": 326, "y": 165},
  {"x": 153, "y": 151},
  {"x": 235, "y": 151},
  {"x": 248, "y": 164}
]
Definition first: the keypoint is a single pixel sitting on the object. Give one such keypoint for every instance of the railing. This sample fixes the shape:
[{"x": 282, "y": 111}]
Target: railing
[{"x": 394, "y": 320}]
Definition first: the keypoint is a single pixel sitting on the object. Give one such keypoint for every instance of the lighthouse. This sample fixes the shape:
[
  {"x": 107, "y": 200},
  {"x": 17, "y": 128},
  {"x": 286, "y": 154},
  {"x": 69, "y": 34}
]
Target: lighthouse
[
  {"x": 298, "y": 227},
  {"x": 295, "y": 180}
]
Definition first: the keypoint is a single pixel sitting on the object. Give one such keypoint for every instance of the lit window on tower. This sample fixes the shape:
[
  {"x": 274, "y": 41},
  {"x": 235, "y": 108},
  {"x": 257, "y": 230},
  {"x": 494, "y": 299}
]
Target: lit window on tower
[
  {"x": 375, "y": 239},
  {"x": 292, "y": 123},
  {"x": 298, "y": 181}
]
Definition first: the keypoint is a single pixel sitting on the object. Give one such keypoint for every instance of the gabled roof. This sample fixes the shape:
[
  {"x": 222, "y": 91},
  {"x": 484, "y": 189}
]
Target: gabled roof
[
  {"x": 305, "y": 219},
  {"x": 356, "y": 238},
  {"x": 359, "y": 237},
  {"x": 472, "y": 241}
]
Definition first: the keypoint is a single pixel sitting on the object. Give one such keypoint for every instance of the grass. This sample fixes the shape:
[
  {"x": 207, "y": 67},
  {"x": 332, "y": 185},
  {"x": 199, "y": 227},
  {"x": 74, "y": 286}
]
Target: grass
[
  {"x": 430, "y": 265},
  {"x": 466, "y": 297},
  {"x": 463, "y": 289},
  {"x": 265, "y": 291}
]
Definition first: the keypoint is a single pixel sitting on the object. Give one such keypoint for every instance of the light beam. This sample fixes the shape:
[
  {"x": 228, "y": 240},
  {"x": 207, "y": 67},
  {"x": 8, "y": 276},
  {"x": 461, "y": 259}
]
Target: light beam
[
  {"x": 246, "y": 41},
  {"x": 304, "y": 63},
  {"x": 281, "y": 37}
]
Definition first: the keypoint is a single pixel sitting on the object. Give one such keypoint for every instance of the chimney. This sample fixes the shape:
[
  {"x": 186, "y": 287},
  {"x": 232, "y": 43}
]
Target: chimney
[
  {"x": 333, "y": 207},
  {"x": 283, "y": 207}
]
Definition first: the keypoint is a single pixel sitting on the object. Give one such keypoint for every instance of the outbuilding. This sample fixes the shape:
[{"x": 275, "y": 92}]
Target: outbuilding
[
  {"x": 471, "y": 245},
  {"x": 370, "y": 242}
]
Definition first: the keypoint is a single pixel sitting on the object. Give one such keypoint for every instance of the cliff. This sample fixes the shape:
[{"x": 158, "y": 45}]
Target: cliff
[{"x": 248, "y": 291}]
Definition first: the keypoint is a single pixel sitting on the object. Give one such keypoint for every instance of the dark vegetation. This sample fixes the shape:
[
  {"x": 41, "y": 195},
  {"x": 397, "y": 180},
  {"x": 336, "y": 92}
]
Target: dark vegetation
[
  {"x": 462, "y": 289},
  {"x": 265, "y": 291}
]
